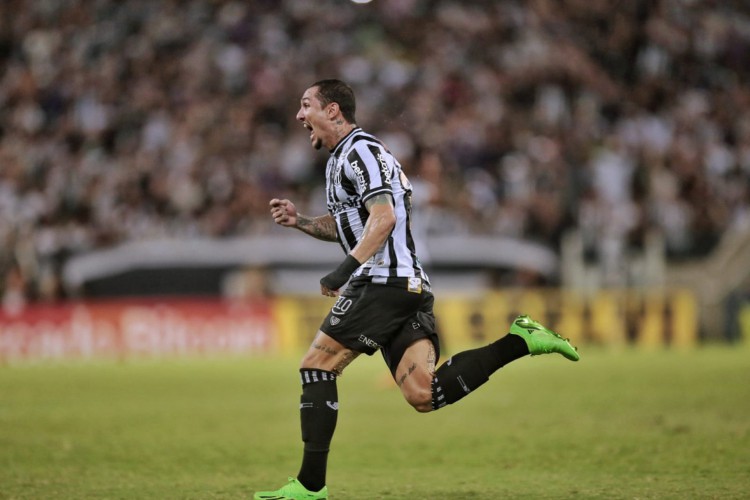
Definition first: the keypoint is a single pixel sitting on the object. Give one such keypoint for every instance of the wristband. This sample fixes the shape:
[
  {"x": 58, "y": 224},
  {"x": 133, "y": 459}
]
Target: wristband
[{"x": 337, "y": 278}]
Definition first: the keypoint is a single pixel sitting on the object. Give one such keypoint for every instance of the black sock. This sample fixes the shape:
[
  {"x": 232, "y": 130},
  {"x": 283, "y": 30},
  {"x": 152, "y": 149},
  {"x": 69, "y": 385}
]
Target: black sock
[
  {"x": 319, "y": 407},
  {"x": 467, "y": 370}
]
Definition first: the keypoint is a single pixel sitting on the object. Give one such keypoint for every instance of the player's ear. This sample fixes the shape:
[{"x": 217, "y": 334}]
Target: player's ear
[{"x": 333, "y": 110}]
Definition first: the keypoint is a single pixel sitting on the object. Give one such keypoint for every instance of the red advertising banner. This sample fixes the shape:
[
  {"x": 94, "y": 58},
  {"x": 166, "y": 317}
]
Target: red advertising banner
[{"x": 119, "y": 328}]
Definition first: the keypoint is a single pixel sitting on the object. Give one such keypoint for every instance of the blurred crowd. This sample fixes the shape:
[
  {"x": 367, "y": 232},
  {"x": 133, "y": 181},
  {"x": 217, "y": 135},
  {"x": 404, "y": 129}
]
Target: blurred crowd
[{"x": 126, "y": 120}]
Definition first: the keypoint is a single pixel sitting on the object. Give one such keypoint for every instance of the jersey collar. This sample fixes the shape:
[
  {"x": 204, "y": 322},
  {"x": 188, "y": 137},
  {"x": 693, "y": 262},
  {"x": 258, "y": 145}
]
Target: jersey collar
[{"x": 337, "y": 148}]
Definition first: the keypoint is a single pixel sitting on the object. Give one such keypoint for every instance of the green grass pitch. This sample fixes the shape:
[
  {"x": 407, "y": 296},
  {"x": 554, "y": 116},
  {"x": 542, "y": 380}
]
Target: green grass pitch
[{"x": 627, "y": 425}]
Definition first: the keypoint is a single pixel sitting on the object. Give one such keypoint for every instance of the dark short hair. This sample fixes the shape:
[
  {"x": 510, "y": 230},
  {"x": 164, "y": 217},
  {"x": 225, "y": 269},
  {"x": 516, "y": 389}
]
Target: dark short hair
[{"x": 339, "y": 92}]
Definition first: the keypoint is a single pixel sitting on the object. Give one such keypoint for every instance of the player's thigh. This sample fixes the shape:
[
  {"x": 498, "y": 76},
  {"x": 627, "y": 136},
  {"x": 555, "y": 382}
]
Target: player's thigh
[
  {"x": 325, "y": 353},
  {"x": 415, "y": 372}
]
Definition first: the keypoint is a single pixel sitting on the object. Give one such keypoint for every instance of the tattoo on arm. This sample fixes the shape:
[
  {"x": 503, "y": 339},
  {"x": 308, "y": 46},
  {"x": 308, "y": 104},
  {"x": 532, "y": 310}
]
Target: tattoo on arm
[{"x": 322, "y": 228}]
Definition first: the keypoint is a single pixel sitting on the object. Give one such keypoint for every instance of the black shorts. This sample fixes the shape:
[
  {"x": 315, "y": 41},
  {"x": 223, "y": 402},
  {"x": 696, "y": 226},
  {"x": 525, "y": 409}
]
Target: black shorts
[{"x": 368, "y": 317}]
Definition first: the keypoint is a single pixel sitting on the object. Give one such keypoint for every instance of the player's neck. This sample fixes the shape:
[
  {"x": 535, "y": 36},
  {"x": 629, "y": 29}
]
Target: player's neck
[{"x": 340, "y": 130}]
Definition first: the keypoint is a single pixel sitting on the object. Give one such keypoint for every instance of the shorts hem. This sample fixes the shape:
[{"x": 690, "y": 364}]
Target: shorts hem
[{"x": 358, "y": 349}]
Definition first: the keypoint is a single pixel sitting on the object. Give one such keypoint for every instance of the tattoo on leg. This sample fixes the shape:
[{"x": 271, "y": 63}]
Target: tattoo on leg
[
  {"x": 431, "y": 359},
  {"x": 401, "y": 380},
  {"x": 324, "y": 348},
  {"x": 347, "y": 358}
]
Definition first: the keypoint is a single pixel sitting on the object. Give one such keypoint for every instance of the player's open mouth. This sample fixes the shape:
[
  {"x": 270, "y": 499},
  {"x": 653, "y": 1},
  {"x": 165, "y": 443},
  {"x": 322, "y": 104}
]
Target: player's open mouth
[{"x": 309, "y": 127}]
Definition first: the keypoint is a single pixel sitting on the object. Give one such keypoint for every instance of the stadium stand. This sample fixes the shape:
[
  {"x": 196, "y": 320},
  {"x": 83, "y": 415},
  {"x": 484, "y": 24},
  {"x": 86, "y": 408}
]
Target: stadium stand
[{"x": 127, "y": 121}]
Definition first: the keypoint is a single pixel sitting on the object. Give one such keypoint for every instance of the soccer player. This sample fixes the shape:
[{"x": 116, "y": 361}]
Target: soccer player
[{"x": 388, "y": 305}]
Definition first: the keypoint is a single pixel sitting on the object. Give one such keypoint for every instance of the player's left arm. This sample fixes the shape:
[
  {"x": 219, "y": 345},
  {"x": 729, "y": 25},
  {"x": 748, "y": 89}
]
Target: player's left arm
[{"x": 378, "y": 227}]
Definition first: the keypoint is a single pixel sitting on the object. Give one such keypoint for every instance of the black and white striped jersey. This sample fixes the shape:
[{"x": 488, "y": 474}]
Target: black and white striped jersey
[{"x": 359, "y": 168}]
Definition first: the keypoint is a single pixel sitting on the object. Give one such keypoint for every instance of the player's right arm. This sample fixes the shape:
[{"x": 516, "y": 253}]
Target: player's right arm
[{"x": 285, "y": 214}]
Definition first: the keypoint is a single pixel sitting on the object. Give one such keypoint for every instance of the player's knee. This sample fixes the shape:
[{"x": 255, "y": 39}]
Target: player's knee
[{"x": 420, "y": 399}]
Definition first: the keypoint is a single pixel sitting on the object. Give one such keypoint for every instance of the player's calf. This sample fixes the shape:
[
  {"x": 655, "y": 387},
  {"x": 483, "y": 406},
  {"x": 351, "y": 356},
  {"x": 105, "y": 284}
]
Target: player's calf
[
  {"x": 419, "y": 394},
  {"x": 466, "y": 371},
  {"x": 415, "y": 373}
]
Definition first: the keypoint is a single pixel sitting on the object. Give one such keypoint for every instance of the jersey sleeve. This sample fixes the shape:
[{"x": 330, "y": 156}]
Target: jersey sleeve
[{"x": 370, "y": 168}]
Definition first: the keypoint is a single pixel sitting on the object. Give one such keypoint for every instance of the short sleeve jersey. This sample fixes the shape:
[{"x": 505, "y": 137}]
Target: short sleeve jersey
[{"x": 360, "y": 167}]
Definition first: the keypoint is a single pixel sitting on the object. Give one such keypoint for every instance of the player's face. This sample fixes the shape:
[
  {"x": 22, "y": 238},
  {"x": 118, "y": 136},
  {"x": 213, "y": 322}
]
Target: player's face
[{"x": 314, "y": 117}]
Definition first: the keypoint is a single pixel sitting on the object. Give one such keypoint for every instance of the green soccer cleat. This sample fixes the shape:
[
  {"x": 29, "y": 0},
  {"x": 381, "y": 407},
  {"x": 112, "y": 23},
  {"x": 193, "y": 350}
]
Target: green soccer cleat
[
  {"x": 293, "y": 490},
  {"x": 542, "y": 340}
]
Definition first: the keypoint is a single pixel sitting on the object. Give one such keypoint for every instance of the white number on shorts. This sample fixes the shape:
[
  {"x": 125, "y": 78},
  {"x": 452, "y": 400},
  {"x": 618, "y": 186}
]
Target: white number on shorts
[{"x": 341, "y": 306}]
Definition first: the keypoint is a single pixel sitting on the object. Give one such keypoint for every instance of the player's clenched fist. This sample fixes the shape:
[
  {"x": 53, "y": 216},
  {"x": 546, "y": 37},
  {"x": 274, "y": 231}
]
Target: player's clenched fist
[{"x": 283, "y": 212}]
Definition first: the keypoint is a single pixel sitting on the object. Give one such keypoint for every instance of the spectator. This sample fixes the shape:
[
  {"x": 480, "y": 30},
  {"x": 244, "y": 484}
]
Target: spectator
[{"x": 126, "y": 120}]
